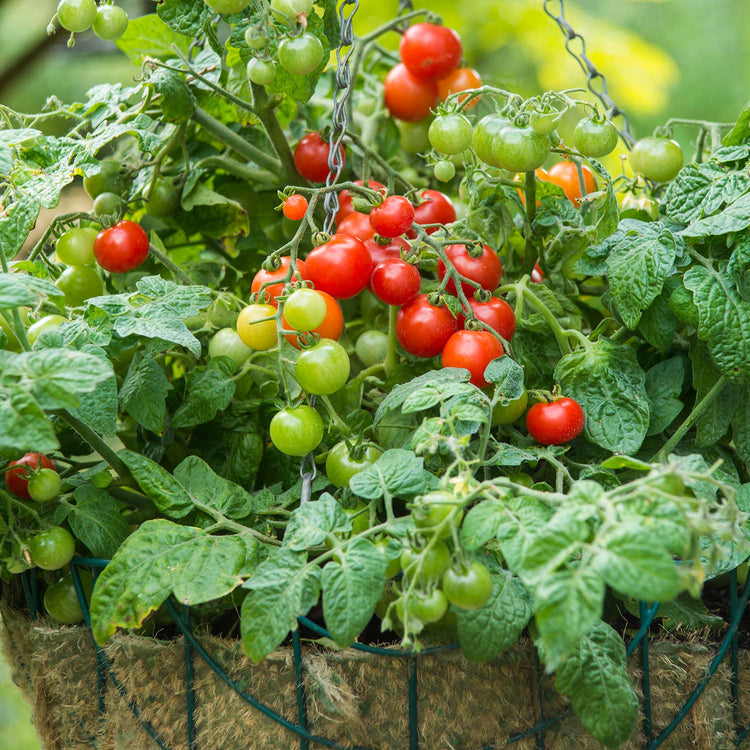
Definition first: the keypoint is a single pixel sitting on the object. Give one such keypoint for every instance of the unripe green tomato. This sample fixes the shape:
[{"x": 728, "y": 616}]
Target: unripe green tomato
[
  {"x": 61, "y": 598},
  {"x": 468, "y": 588},
  {"x": 227, "y": 7},
  {"x": 79, "y": 283},
  {"x": 434, "y": 508},
  {"x": 394, "y": 563},
  {"x": 450, "y": 134},
  {"x": 47, "y": 323},
  {"x": 544, "y": 123},
  {"x": 164, "y": 199},
  {"x": 305, "y": 309},
  {"x": 261, "y": 72},
  {"x": 109, "y": 179},
  {"x": 52, "y": 549},
  {"x": 301, "y": 55},
  {"x": 414, "y": 136},
  {"x": 227, "y": 343},
  {"x": 76, "y": 246},
  {"x": 435, "y": 561},
  {"x": 485, "y": 132},
  {"x": 7, "y": 327},
  {"x": 520, "y": 149},
  {"x": 341, "y": 467},
  {"x": 595, "y": 138},
  {"x": 76, "y": 15},
  {"x": 657, "y": 159},
  {"x": 254, "y": 38},
  {"x": 111, "y": 22},
  {"x": 102, "y": 479},
  {"x": 519, "y": 477},
  {"x": 429, "y": 607},
  {"x": 672, "y": 484},
  {"x": 359, "y": 517},
  {"x": 445, "y": 171},
  {"x": 510, "y": 413},
  {"x": 372, "y": 347},
  {"x": 323, "y": 368},
  {"x": 292, "y": 8},
  {"x": 107, "y": 204},
  {"x": 298, "y": 431},
  {"x": 44, "y": 485}
]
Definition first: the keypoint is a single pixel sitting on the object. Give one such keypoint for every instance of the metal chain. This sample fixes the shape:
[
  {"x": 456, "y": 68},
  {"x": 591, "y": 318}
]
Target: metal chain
[
  {"x": 404, "y": 6},
  {"x": 341, "y": 95},
  {"x": 593, "y": 76}
]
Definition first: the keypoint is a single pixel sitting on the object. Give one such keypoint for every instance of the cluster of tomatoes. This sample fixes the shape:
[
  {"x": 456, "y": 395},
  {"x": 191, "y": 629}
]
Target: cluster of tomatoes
[{"x": 108, "y": 21}]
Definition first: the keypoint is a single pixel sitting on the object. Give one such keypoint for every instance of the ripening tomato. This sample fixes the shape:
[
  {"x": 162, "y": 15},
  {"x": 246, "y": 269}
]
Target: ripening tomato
[
  {"x": 346, "y": 206},
  {"x": 18, "y": 473},
  {"x": 393, "y": 249},
  {"x": 342, "y": 266},
  {"x": 429, "y": 51},
  {"x": 435, "y": 208},
  {"x": 423, "y": 329},
  {"x": 295, "y": 207},
  {"x": 473, "y": 351},
  {"x": 392, "y": 217},
  {"x": 356, "y": 224},
  {"x": 485, "y": 269},
  {"x": 121, "y": 247},
  {"x": 461, "y": 79},
  {"x": 257, "y": 328},
  {"x": 537, "y": 275},
  {"x": 331, "y": 327},
  {"x": 407, "y": 97},
  {"x": 323, "y": 368},
  {"x": 565, "y": 174},
  {"x": 395, "y": 282},
  {"x": 555, "y": 422},
  {"x": 496, "y": 313},
  {"x": 311, "y": 157},
  {"x": 275, "y": 281}
]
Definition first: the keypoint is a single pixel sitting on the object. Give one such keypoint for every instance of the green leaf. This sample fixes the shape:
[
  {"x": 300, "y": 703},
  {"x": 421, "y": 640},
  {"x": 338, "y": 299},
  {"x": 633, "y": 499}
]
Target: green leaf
[
  {"x": 663, "y": 387},
  {"x": 733, "y": 218},
  {"x": 283, "y": 588},
  {"x": 177, "y": 101},
  {"x": 149, "y": 36},
  {"x": 508, "y": 377},
  {"x": 713, "y": 424},
  {"x": 352, "y": 586},
  {"x": 312, "y": 522},
  {"x": 398, "y": 473},
  {"x": 433, "y": 394},
  {"x": 697, "y": 191},
  {"x": 144, "y": 392},
  {"x": 595, "y": 679},
  {"x": 689, "y": 613},
  {"x": 658, "y": 323},
  {"x": 609, "y": 384},
  {"x": 15, "y": 225},
  {"x": 486, "y": 632},
  {"x": 509, "y": 455},
  {"x": 481, "y": 523},
  {"x": 187, "y": 17},
  {"x": 169, "y": 496},
  {"x": 524, "y": 519},
  {"x": 96, "y": 520},
  {"x": 209, "y": 390},
  {"x": 24, "y": 426},
  {"x": 741, "y": 130},
  {"x": 158, "y": 559},
  {"x": 21, "y": 289}
]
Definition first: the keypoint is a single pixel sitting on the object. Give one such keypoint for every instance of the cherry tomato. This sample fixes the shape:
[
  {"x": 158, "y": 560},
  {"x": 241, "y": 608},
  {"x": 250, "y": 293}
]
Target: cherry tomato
[
  {"x": 372, "y": 347},
  {"x": 510, "y": 413},
  {"x": 18, "y": 472},
  {"x": 300, "y": 55},
  {"x": 297, "y": 431},
  {"x": 496, "y": 313},
  {"x": 292, "y": 8},
  {"x": 413, "y": 136},
  {"x": 429, "y": 51},
  {"x": 395, "y": 281},
  {"x": 44, "y": 485},
  {"x": 472, "y": 350},
  {"x": 111, "y": 22},
  {"x": 275, "y": 280},
  {"x": 387, "y": 548},
  {"x": 433, "y": 510},
  {"x": 657, "y": 159},
  {"x": 47, "y": 323},
  {"x": 423, "y": 329},
  {"x": 260, "y": 71},
  {"x": 311, "y": 157},
  {"x": 468, "y": 587},
  {"x": 444, "y": 171},
  {"x": 109, "y": 179},
  {"x": 594, "y": 137},
  {"x": 555, "y": 422},
  {"x": 76, "y": 246},
  {"x": 429, "y": 607},
  {"x": 323, "y": 368},
  {"x": 255, "y": 37},
  {"x": 392, "y": 217},
  {"x": 52, "y": 549},
  {"x": 228, "y": 7},
  {"x": 357, "y": 225},
  {"x": 295, "y": 207},
  {"x": 520, "y": 149},
  {"x": 121, "y": 247},
  {"x": 485, "y": 133},
  {"x": 537, "y": 275},
  {"x": 305, "y": 309},
  {"x": 257, "y": 328},
  {"x": 428, "y": 564},
  {"x": 227, "y": 343},
  {"x": 450, "y": 134},
  {"x": 76, "y": 15},
  {"x": 544, "y": 123},
  {"x": 393, "y": 249},
  {"x": 485, "y": 269},
  {"x": 341, "y": 466},
  {"x": 435, "y": 208},
  {"x": 61, "y": 598},
  {"x": 79, "y": 283},
  {"x": 461, "y": 79},
  {"x": 565, "y": 174},
  {"x": 407, "y": 97},
  {"x": 108, "y": 204},
  {"x": 331, "y": 327},
  {"x": 342, "y": 266},
  {"x": 164, "y": 198},
  {"x": 346, "y": 206}
]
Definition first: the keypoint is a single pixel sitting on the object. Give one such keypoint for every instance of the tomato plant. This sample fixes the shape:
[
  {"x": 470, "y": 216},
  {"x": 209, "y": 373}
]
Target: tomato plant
[
  {"x": 395, "y": 281},
  {"x": 323, "y": 368},
  {"x": 269, "y": 284},
  {"x": 450, "y": 134},
  {"x": 595, "y": 137},
  {"x": 111, "y": 22},
  {"x": 496, "y": 313},
  {"x": 18, "y": 473},
  {"x": 78, "y": 283},
  {"x": 555, "y": 422},
  {"x": 423, "y": 328},
  {"x": 256, "y": 326},
  {"x": 305, "y": 309},
  {"x": 392, "y": 217},
  {"x": 658, "y": 159},
  {"x": 472, "y": 350},
  {"x": 341, "y": 267},
  {"x": 52, "y": 549},
  {"x": 480, "y": 265},
  {"x": 429, "y": 51},
  {"x": 311, "y": 157},
  {"x": 295, "y": 207},
  {"x": 76, "y": 15},
  {"x": 297, "y": 431},
  {"x": 44, "y": 485},
  {"x": 342, "y": 465},
  {"x": 76, "y": 246},
  {"x": 565, "y": 174},
  {"x": 407, "y": 97},
  {"x": 520, "y": 149},
  {"x": 434, "y": 208},
  {"x": 468, "y": 587},
  {"x": 302, "y": 54},
  {"x": 121, "y": 247},
  {"x": 461, "y": 79},
  {"x": 331, "y": 327}
]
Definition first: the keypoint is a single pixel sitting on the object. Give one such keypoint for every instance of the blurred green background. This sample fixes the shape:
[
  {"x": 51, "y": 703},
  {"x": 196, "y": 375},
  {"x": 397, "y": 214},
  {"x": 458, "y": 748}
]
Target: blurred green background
[{"x": 662, "y": 58}]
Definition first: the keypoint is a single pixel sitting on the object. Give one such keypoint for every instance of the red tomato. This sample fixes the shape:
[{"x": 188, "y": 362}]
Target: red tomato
[
  {"x": 407, "y": 97},
  {"x": 393, "y": 249},
  {"x": 342, "y": 266},
  {"x": 121, "y": 247},
  {"x": 435, "y": 208},
  {"x": 422, "y": 329},
  {"x": 271, "y": 292},
  {"x": 472, "y": 350},
  {"x": 392, "y": 217},
  {"x": 331, "y": 327},
  {"x": 537, "y": 275},
  {"x": 295, "y": 207},
  {"x": 430, "y": 51},
  {"x": 461, "y": 79},
  {"x": 565, "y": 174},
  {"x": 345, "y": 198},
  {"x": 485, "y": 269},
  {"x": 311, "y": 157},
  {"x": 17, "y": 474},
  {"x": 357, "y": 225},
  {"x": 395, "y": 282},
  {"x": 496, "y": 313},
  {"x": 555, "y": 422}
]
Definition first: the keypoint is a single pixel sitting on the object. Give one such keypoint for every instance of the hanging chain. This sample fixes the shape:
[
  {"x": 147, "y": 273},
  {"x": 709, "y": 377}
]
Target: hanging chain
[
  {"x": 341, "y": 95},
  {"x": 404, "y": 6},
  {"x": 595, "y": 81}
]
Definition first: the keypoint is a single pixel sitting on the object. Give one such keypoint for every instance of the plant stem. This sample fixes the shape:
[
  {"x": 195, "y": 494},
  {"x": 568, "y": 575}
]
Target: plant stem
[
  {"x": 95, "y": 441},
  {"x": 391, "y": 358},
  {"x": 546, "y": 313},
  {"x": 18, "y": 327},
  {"x": 227, "y": 164},
  {"x": 177, "y": 272},
  {"x": 530, "y": 253}
]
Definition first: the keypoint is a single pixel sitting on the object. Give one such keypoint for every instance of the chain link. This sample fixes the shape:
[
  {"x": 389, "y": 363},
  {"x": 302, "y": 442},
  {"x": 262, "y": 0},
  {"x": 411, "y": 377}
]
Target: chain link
[
  {"x": 405, "y": 6},
  {"x": 593, "y": 76}
]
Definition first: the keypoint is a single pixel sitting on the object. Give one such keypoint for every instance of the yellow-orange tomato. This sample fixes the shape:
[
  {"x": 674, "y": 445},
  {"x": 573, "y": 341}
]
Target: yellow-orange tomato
[
  {"x": 565, "y": 174},
  {"x": 257, "y": 328},
  {"x": 331, "y": 327},
  {"x": 460, "y": 79}
]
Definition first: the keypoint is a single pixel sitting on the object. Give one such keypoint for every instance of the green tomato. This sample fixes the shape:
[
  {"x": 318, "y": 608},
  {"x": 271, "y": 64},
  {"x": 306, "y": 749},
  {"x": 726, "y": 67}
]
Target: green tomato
[
  {"x": 261, "y": 72},
  {"x": 428, "y": 564},
  {"x": 44, "y": 485},
  {"x": 429, "y": 607},
  {"x": 79, "y": 283},
  {"x": 228, "y": 7},
  {"x": 341, "y": 467},
  {"x": 445, "y": 171},
  {"x": 76, "y": 15},
  {"x": 468, "y": 588},
  {"x": 47, "y": 323},
  {"x": 292, "y": 8},
  {"x": 510, "y": 413},
  {"x": 519, "y": 477},
  {"x": 595, "y": 138},
  {"x": 111, "y": 22},
  {"x": 391, "y": 551},
  {"x": 301, "y": 55},
  {"x": 414, "y": 136},
  {"x": 544, "y": 123},
  {"x": 672, "y": 484},
  {"x": 164, "y": 199},
  {"x": 657, "y": 159},
  {"x": 323, "y": 368},
  {"x": 108, "y": 204},
  {"x": 372, "y": 347},
  {"x": 255, "y": 38},
  {"x": 76, "y": 246},
  {"x": 109, "y": 179},
  {"x": 52, "y": 549},
  {"x": 8, "y": 328},
  {"x": 359, "y": 516},
  {"x": 298, "y": 431},
  {"x": 450, "y": 134},
  {"x": 305, "y": 309},
  {"x": 227, "y": 343},
  {"x": 434, "y": 508},
  {"x": 520, "y": 149},
  {"x": 61, "y": 598},
  {"x": 485, "y": 133}
]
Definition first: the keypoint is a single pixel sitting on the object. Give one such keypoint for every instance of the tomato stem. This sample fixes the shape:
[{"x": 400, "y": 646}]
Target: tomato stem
[
  {"x": 391, "y": 357},
  {"x": 179, "y": 275}
]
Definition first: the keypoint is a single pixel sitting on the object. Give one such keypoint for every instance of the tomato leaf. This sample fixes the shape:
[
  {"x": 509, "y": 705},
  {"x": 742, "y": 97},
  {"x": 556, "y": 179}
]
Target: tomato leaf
[
  {"x": 733, "y": 218},
  {"x": 144, "y": 392},
  {"x": 398, "y": 473},
  {"x": 187, "y": 17},
  {"x": 96, "y": 520},
  {"x": 663, "y": 387},
  {"x": 149, "y": 36},
  {"x": 312, "y": 522},
  {"x": 507, "y": 375},
  {"x": 209, "y": 390},
  {"x": 15, "y": 225},
  {"x": 24, "y": 426}
]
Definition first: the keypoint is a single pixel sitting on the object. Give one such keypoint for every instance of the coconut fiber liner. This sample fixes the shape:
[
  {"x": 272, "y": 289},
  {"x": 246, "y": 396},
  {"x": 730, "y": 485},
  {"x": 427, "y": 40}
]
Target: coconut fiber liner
[{"x": 353, "y": 698}]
